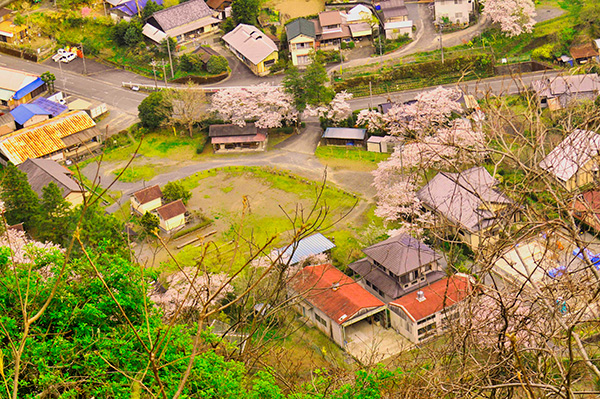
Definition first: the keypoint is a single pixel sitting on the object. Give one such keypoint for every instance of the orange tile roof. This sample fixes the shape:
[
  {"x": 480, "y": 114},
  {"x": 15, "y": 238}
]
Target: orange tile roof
[
  {"x": 332, "y": 292},
  {"x": 45, "y": 137},
  {"x": 439, "y": 295}
]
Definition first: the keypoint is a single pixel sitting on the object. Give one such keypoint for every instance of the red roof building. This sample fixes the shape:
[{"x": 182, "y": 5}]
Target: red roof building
[
  {"x": 587, "y": 209},
  {"x": 420, "y": 315},
  {"x": 333, "y": 301}
]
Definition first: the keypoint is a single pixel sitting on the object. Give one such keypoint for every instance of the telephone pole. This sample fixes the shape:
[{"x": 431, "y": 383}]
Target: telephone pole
[
  {"x": 170, "y": 59},
  {"x": 83, "y": 58},
  {"x": 153, "y": 63}
]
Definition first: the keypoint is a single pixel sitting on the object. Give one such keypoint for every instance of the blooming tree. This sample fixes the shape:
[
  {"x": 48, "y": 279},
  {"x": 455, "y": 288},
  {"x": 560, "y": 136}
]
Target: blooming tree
[
  {"x": 337, "y": 110},
  {"x": 23, "y": 249},
  {"x": 514, "y": 16},
  {"x": 269, "y": 106}
]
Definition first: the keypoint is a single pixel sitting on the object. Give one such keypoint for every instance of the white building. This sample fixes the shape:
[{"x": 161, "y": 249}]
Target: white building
[{"x": 457, "y": 11}]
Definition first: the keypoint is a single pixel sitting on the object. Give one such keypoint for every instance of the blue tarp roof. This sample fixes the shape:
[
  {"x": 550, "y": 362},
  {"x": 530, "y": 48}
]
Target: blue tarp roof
[
  {"x": 52, "y": 107},
  {"x": 23, "y": 91},
  {"x": 130, "y": 8},
  {"x": 24, "y": 112},
  {"x": 308, "y": 246}
]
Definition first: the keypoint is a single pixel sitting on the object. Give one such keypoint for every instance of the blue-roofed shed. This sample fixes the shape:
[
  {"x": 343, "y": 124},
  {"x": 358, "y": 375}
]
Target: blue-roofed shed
[
  {"x": 309, "y": 246},
  {"x": 28, "y": 114},
  {"x": 28, "y": 89},
  {"x": 130, "y": 8},
  {"x": 52, "y": 107}
]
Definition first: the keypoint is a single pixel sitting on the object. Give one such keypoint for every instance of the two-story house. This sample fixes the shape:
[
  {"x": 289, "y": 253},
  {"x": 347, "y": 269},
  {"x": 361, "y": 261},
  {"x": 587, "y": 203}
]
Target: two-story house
[
  {"x": 456, "y": 11},
  {"x": 331, "y": 29},
  {"x": 574, "y": 163},
  {"x": 9, "y": 31},
  {"x": 394, "y": 15},
  {"x": 398, "y": 266},
  {"x": 468, "y": 204},
  {"x": 301, "y": 38}
]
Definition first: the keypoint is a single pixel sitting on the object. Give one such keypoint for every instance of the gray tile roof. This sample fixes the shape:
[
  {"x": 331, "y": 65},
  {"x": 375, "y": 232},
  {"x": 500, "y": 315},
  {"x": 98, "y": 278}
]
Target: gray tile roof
[
  {"x": 41, "y": 172},
  {"x": 249, "y": 129},
  {"x": 401, "y": 254},
  {"x": 250, "y": 42},
  {"x": 181, "y": 14},
  {"x": 393, "y": 9},
  {"x": 462, "y": 197},
  {"x": 299, "y": 27},
  {"x": 576, "y": 150}
]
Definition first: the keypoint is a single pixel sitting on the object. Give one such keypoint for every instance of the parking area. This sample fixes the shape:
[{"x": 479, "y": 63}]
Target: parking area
[{"x": 370, "y": 343}]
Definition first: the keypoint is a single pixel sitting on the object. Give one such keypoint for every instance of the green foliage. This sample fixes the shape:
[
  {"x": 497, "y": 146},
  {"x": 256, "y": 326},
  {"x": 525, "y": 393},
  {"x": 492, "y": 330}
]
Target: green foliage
[
  {"x": 308, "y": 87},
  {"x": 245, "y": 11},
  {"x": 19, "y": 19},
  {"x": 53, "y": 222},
  {"x": 175, "y": 190},
  {"x": 150, "y": 8},
  {"x": 228, "y": 25},
  {"x": 21, "y": 203},
  {"x": 217, "y": 64},
  {"x": 150, "y": 223},
  {"x": 152, "y": 111},
  {"x": 545, "y": 52},
  {"x": 49, "y": 79},
  {"x": 128, "y": 34},
  {"x": 190, "y": 63}
]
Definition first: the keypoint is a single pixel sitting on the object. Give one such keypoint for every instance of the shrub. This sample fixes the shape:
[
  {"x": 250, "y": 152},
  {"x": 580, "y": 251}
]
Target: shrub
[
  {"x": 217, "y": 64},
  {"x": 175, "y": 190},
  {"x": 190, "y": 63}
]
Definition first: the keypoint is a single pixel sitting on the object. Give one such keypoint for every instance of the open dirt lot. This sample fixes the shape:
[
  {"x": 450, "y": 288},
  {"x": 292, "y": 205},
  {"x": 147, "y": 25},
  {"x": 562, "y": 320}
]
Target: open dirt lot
[{"x": 296, "y": 8}]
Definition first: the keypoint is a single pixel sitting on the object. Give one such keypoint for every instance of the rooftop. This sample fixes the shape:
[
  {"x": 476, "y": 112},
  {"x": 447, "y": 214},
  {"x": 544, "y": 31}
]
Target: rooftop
[
  {"x": 299, "y": 27},
  {"x": 583, "y": 51},
  {"x": 571, "y": 84},
  {"x": 462, "y": 197},
  {"x": 306, "y": 247},
  {"x": 171, "y": 210},
  {"x": 148, "y": 194},
  {"x": 229, "y": 129},
  {"x": 25, "y": 112},
  {"x": 41, "y": 172},
  {"x": 181, "y": 14},
  {"x": 438, "y": 296},
  {"x": 576, "y": 150},
  {"x": 329, "y": 18},
  {"x": 345, "y": 133},
  {"x": 250, "y": 42},
  {"x": 52, "y": 107},
  {"x": 393, "y": 9},
  {"x": 332, "y": 292}
]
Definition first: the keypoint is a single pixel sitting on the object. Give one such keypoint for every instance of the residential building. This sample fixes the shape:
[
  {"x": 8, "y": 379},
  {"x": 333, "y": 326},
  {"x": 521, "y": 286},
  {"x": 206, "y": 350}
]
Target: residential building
[
  {"x": 453, "y": 11},
  {"x": 304, "y": 248},
  {"x": 72, "y": 135},
  {"x": 383, "y": 143},
  {"x": 53, "y": 108},
  {"x": 204, "y": 53},
  {"x": 146, "y": 200},
  {"x": 586, "y": 208},
  {"x": 334, "y": 303},
  {"x": 129, "y": 9},
  {"x": 423, "y": 314},
  {"x": 398, "y": 266},
  {"x": 234, "y": 138},
  {"x": 93, "y": 108},
  {"x": 171, "y": 216},
  {"x": 574, "y": 162},
  {"x": 331, "y": 29},
  {"x": 18, "y": 87},
  {"x": 7, "y": 124},
  {"x": 361, "y": 21},
  {"x": 344, "y": 136},
  {"x": 185, "y": 21},
  {"x": 10, "y": 32},
  {"x": 558, "y": 92},
  {"x": 29, "y": 114},
  {"x": 468, "y": 205},
  {"x": 42, "y": 172},
  {"x": 253, "y": 48},
  {"x": 301, "y": 38},
  {"x": 584, "y": 53},
  {"x": 394, "y": 15}
]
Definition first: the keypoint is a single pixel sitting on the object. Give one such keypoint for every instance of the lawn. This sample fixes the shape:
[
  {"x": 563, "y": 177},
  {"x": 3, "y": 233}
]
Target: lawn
[
  {"x": 135, "y": 173},
  {"x": 159, "y": 145},
  {"x": 350, "y": 158}
]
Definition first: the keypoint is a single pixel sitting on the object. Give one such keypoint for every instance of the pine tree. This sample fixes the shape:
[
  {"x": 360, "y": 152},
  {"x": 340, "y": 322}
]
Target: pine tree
[{"x": 21, "y": 203}]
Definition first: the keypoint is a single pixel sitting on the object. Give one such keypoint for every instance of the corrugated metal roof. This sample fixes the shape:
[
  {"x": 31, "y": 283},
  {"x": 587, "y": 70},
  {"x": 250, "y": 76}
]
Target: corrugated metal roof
[
  {"x": 346, "y": 133},
  {"x": 44, "y": 138},
  {"x": 13, "y": 80},
  {"x": 308, "y": 246},
  {"x": 573, "y": 153},
  {"x": 52, "y": 107},
  {"x": 250, "y": 42}
]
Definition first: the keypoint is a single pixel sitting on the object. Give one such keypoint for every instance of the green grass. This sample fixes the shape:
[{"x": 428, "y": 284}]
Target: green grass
[
  {"x": 137, "y": 173},
  {"x": 350, "y": 157},
  {"x": 163, "y": 144}
]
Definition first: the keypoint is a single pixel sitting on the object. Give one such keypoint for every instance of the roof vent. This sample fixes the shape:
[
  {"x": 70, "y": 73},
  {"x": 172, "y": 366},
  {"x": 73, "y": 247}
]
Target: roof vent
[
  {"x": 335, "y": 286},
  {"x": 343, "y": 317},
  {"x": 420, "y": 296}
]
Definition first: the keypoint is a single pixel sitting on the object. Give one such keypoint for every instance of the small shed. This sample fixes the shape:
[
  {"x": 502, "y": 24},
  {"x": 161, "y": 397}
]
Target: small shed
[
  {"x": 234, "y": 138},
  {"x": 29, "y": 114},
  {"x": 204, "y": 53},
  {"x": 94, "y": 109},
  {"x": 171, "y": 216},
  {"x": 583, "y": 53},
  {"x": 344, "y": 136},
  {"x": 146, "y": 200},
  {"x": 7, "y": 124},
  {"x": 309, "y": 246},
  {"x": 378, "y": 144}
]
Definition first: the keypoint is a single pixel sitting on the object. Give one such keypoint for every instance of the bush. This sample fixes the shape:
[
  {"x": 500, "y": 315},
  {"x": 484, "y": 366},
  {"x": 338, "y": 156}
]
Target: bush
[
  {"x": 151, "y": 111},
  {"x": 190, "y": 63},
  {"x": 328, "y": 57},
  {"x": 175, "y": 190},
  {"x": 217, "y": 64}
]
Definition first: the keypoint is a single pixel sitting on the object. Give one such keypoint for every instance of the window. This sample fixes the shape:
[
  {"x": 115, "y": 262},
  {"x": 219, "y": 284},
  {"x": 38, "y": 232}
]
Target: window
[
  {"x": 459, "y": 15},
  {"x": 428, "y": 268},
  {"x": 426, "y": 329},
  {"x": 269, "y": 63},
  {"x": 377, "y": 290},
  {"x": 321, "y": 320},
  {"x": 425, "y": 320}
]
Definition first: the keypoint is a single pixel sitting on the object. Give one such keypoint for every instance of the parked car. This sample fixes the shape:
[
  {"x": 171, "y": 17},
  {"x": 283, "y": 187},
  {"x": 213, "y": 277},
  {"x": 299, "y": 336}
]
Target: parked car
[
  {"x": 59, "y": 54},
  {"x": 68, "y": 57}
]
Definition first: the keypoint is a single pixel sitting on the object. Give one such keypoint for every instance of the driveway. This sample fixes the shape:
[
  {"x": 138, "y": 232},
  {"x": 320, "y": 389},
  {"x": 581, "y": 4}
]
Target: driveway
[{"x": 305, "y": 142}]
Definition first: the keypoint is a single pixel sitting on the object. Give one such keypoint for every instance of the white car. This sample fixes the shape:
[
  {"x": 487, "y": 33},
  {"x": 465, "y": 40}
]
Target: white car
[
  {"x": 68, "y": 57},
  {"x": 59, "y": 54}
]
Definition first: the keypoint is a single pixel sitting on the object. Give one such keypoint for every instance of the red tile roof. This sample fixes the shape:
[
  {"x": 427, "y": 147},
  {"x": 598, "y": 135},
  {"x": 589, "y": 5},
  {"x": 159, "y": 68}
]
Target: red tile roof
[
  {"x": 148, "y": 194},
  {"x": 171, "y": 210},
  {"x": 587, "y": 208},
  {"x": 332, "y": 292},
  {"x": 439, "y": 295}
]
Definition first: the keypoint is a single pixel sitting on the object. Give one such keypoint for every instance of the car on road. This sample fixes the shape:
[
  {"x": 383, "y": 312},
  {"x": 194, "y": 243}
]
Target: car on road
[{"x": 68, "y": 57}]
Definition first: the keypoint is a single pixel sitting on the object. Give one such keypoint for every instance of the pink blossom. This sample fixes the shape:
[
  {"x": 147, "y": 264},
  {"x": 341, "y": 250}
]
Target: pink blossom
[
  {"x": 23, "y": 249},
  {"x": 514, "y": 16},
  {"x": 337, "y": 110},
  {"x": 269, "y": 106}
]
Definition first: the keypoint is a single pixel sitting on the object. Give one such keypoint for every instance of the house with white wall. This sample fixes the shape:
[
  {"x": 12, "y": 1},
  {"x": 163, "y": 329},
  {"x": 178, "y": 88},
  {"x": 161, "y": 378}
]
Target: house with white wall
[{"x": 457, "y": 11}]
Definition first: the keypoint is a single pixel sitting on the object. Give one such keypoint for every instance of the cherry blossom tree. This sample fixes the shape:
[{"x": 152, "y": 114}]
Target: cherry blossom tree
[
  {"x": 337, "y": 110},
  {"x": 514, "y": 16},
  {"x": 265, "y": 104}
]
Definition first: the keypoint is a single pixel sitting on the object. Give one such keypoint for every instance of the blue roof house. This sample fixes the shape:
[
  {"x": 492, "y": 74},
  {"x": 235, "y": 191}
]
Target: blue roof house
[
  {"x": 28, "y": 114},
  {"x": 129, "y": 9}
]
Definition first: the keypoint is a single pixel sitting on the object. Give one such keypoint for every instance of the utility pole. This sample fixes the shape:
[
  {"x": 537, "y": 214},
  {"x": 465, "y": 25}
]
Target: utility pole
[
  {"x": 441, "y": 44},
  {"x": 165, "y": 74},
  {"x": 170, "y": 59},
  {"x": 370, "y": 96},
  {"x": 83, "y": 57},
  {"x": 380, "y": 46},
  {"x": 341, "y": 59},
  {"x": 153, "y": 63}
]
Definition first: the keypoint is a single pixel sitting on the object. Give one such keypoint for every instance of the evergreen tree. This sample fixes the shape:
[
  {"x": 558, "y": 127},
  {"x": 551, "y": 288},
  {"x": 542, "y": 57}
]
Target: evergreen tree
[
  {"x": 245, "y": 11},
  {"x": 53, "y": 221},
  {"x": 21, "y": 203}
]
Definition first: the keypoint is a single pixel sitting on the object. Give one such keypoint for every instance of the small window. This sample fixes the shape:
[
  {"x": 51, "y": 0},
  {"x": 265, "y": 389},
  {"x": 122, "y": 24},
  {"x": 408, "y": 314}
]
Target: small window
[{"x": 321, "y": 320}]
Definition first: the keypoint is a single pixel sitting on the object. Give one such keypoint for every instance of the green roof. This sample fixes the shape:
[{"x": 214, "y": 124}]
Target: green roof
[{"x": 299, "y": 27}]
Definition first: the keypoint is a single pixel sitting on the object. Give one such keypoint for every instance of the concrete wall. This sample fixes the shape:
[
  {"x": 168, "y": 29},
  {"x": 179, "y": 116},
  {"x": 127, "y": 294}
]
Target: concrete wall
[
  {"x": 147, "y": 207},
  {"x": 295, "y": 52},
  {"x": 173, "y": 223},
  {"x": 333, "y": 330},
  {"x": 457, "y": 11}
]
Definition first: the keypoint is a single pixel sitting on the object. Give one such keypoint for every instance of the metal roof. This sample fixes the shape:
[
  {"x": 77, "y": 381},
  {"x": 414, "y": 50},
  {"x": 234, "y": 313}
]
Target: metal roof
[
  {"x": 229, "y": 129},
  {"x": 22, "y": 92},
  {"x": 25, "y": 112},
  {"x": 346, "y": 133},
  {"x": 52, "y": 107},
  {"x": 41, "y": 172},
  {"x": 250, "y": 42},
  {"x": 573, "y": 153},
  {"x": 308, "y": 246},
  {"x": 44, "y": 138},
  {"x": 181, "y": 14}
]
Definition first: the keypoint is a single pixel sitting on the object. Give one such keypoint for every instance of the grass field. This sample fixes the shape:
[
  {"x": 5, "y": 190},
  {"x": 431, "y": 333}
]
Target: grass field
[
  {"x": 159, "y": 145},
  {"x": 349, "y": 158}
]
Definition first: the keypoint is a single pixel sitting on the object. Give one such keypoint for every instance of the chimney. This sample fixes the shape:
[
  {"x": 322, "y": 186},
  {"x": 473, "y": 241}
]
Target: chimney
[
  {"x": 420, "y": 296},
  {"x": 335, "y": 286}
]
